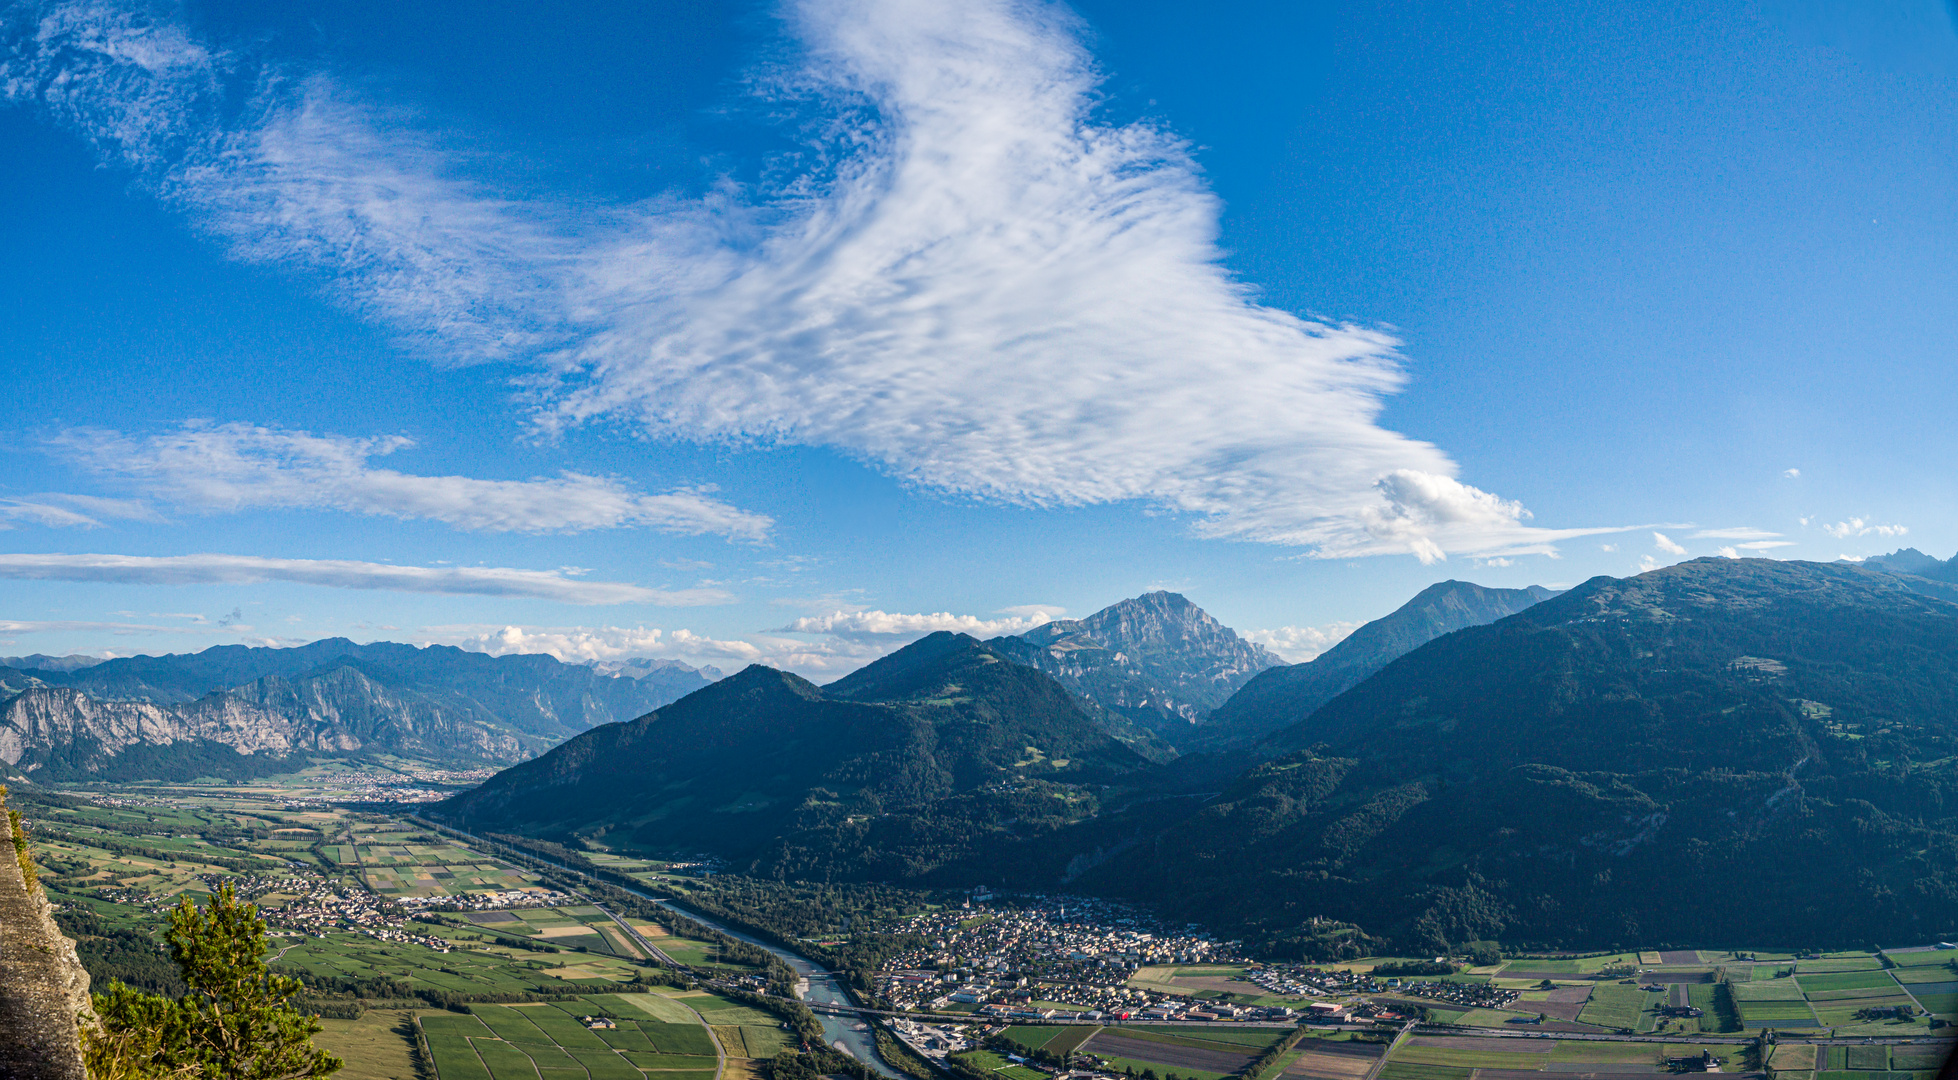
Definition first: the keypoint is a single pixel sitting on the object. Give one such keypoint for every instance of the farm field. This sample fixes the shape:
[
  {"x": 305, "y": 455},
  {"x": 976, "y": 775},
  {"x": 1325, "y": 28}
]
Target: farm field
[
  {"x": 378, "y": 1046},
  {"x": 1431, "y": 1056},
  {"x": 1327, "y": 1059},
  {"x": 1616, "y": 1006},
  {"x": 444, "y": 879},
  {"x": 547, "y": 1042},
  {"x": 570, "y": 928},
  {"x": 999, "y": 1066},
  {"x": 463, "y": 971},
  {"x": 1201, "y": 1053}
]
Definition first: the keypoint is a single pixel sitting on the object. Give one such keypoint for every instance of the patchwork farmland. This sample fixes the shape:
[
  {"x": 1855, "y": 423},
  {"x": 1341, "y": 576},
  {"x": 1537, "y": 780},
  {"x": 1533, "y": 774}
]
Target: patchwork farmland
[{"x": 655, "y": 1039}]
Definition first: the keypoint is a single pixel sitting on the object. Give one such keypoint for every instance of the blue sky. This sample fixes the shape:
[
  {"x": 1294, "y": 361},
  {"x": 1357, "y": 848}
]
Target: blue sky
[{"x": 786, "y": 332}]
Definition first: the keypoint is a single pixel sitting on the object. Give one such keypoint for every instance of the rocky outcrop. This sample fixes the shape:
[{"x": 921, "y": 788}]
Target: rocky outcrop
[
  {"x": 336, "y": 712},
  {"x": 1158, "y": 660},
  {"x": 43, "y": 986},
  {"x": 236, "y": 711}
]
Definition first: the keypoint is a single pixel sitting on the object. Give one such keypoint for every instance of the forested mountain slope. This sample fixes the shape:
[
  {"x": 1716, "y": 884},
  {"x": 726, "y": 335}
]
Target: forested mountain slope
[
  {"x": 1723, "y": 751},
  {"x": 1284, "y": 695},
  {"x": 921, "y": 761}
]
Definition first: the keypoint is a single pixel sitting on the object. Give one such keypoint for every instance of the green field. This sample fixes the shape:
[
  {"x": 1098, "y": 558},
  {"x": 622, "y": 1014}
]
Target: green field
[
  {"x": 1776, "y": 990},
  {"x": 546, "y": 1042},
  {"x": 1856, "y": 980},
  {"x": 999, "y": 1066},
  {"x": 1033, "y": 1038},
  {"x": 1468, "y": 1059},
  {"x": 1616, "y": 1005},
  {"x": 1395, "y": 1070}
]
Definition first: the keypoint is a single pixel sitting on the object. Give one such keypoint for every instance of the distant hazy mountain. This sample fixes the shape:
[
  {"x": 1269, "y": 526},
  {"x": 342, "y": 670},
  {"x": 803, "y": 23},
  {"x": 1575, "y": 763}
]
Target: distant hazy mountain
[
  {"x": 234, "y": 710},
  {"x": 1285, "y": 695},
  {"x": 928, "y": 757},
  {"x": 44, "y": 662},
  {"x": 1158, "y": 660},
  {"x": 1664, "y": 758},
  {"x": 643, "y": 667}
]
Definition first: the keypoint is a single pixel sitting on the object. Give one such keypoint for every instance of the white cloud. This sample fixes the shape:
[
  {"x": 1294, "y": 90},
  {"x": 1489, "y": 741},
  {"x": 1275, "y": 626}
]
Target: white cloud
[
  {"x": 1843, "y": 530},
  {"x": 860, "y": 625},
  {"x": 1765, "y": 545},
  {"x": 568, "y": 643},
  {"x": 1647, "y": 564},
  {"x": 226, "y": 467},
  {"x": 1729, "y": 553},
  {"x": 1791, "y": 474},
  {"x": 344, "y": 574},
  {"x": 980, "y": 286},
  {"x": 1734, "y": 534},
  {"x": 1297, "y": 644},
  {"x": 71, "y": 511},
  {"x": 1666, "y": 544},
  {"x": 820, "y": 660},
  {"x": 1607, "y": 547}
]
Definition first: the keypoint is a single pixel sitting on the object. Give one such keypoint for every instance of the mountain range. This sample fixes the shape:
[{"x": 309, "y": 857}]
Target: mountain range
[
  {"x": 1663, "y": 758},
  {"x": 237, "y": 711}
]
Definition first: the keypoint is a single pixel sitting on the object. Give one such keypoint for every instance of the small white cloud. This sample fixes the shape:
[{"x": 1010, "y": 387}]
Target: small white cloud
[
  {"x": 1647, "y": 564},
  {"x": 1729, "y": 553},
  {"x": 1765, "y": 545},
  {"x": 1297, "y": 644},
  {"x": 1791, "y": 473},
  {"x": 1496, "y": 562},
  {"x": 1665, "y": 543},
  {"x": 228, "y": 467},
  {"x": 1607, "y": 547},
  {"x": 1843, "y": 530},
  {"x": 343, "y": 574}
]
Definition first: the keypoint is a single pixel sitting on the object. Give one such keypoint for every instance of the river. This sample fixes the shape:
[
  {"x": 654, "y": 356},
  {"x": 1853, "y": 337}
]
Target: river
[{"x": 853, "y": 1037}]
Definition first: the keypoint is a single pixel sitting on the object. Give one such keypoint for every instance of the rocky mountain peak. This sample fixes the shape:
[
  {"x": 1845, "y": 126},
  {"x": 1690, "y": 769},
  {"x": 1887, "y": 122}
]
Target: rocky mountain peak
[{"x": 1157, "y": 659}]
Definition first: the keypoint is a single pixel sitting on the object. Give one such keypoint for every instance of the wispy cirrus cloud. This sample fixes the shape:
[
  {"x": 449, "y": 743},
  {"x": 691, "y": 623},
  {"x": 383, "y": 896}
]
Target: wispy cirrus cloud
[
  {"x": 1743, "y": 533},
  {"x": 227, "y": 467},
  {"x": 983, "y": 288},
  {"x": 211, "y": 569},
  {"x": 71, "y": 511}
]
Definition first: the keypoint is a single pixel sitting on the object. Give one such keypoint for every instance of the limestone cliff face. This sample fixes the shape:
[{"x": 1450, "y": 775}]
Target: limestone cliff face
[
  {"x": 43, "y": 986},
  {"x": 1157, "y": 659},
  {"x": 338, "y": 711},
  {"x": 237, "y": 711}
]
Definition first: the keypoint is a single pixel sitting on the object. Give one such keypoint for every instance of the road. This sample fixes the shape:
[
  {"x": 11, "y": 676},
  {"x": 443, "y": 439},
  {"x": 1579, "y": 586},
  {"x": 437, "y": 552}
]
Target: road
[
  {"x": 1380, "y": 1062},
  {"x": 638, "y": 938}
]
